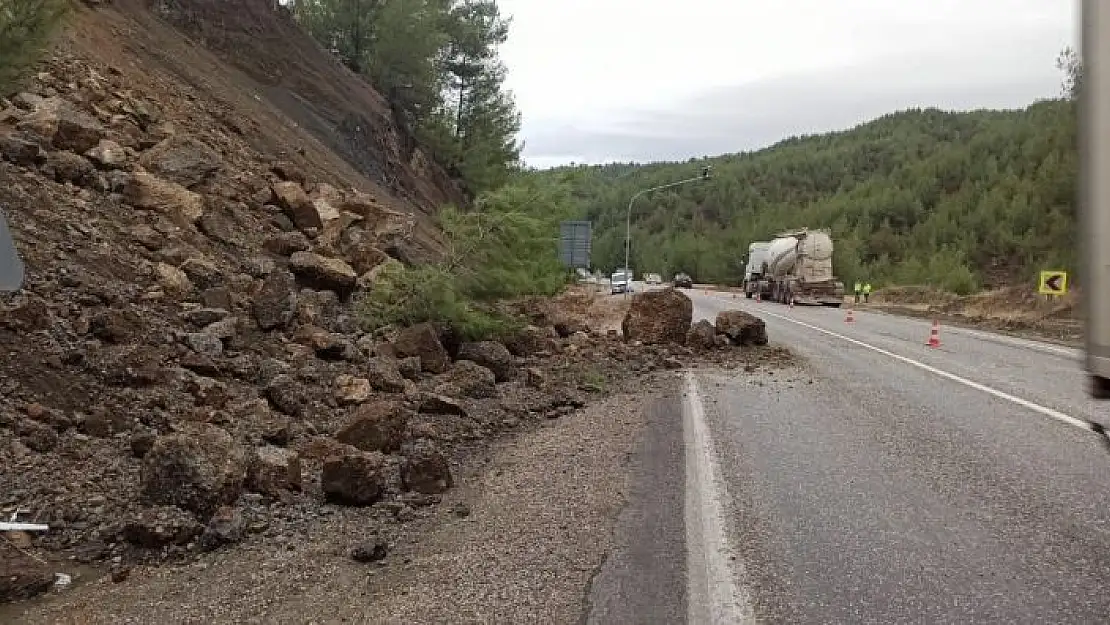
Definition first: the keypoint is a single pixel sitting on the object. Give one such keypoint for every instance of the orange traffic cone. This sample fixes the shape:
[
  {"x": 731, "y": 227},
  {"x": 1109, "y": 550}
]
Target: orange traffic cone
[
  {"x": 757, "y": 296},
  {"x": 849, "y": 318},
  {"x": 934, "y": 335}
]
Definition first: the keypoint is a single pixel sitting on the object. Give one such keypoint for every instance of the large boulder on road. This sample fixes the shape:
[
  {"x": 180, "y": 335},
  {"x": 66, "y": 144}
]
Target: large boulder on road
[
  {"x": 662, "y": 316},
  {"x": 741, "y": 328}
]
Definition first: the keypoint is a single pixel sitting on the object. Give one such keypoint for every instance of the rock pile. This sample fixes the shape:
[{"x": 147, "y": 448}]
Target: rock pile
[
  {"x": 185, "y": 367},
  {"x": 664, "y": 317}
]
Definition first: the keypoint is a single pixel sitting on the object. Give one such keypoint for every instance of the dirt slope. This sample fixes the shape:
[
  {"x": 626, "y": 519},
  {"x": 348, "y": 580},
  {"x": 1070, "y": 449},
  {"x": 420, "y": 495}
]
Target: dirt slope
[
  {"x": 245, "y": 69},
  {"x": 195, "y": 232},
  {"x": 1016, "y": 310}
]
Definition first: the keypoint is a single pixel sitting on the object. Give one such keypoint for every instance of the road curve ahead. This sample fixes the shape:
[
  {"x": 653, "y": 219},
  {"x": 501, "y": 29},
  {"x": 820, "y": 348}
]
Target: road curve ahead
[{"x": 881, "y": 482}]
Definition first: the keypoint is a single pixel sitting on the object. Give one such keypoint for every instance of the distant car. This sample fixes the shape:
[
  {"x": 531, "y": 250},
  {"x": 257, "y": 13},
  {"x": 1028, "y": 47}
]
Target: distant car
[
  {"x": 683, "y": 281},
  {"x": 654, "y": 278},
  {"x": 619, "y": 282}
]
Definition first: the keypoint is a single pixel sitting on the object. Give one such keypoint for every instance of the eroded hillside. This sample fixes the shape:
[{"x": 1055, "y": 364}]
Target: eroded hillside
[{"x": 194, "y": 214}]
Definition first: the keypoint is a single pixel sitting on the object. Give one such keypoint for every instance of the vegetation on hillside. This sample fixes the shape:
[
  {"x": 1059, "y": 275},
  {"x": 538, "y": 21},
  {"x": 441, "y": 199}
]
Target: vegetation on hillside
[
  {"x": 955, "y": 200},
  {"x": 437, "y": 63},
  {"x": 504, "y": 248},
  {"x": 25, "y": 29}
]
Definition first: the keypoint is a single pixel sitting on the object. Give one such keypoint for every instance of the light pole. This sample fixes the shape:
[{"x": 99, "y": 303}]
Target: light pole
[{"x": 628, "y": 215}]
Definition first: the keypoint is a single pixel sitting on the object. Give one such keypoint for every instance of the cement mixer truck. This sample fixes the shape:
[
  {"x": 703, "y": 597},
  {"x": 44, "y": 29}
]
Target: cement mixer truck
[{"x": 798, "y": 266}]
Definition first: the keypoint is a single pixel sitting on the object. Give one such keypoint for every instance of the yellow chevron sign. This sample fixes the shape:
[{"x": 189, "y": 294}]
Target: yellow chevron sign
[{"x": 1053, "y": 283}]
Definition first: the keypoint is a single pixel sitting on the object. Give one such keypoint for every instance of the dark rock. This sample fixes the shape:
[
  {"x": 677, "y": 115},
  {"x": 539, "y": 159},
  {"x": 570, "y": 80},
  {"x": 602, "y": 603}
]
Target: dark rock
[
  {"x": 322, "y": 272},
  {"x": 201, "y": 317},
  {"x": 286, "y": 394},
  {"x": 409, "y": 368},
  {"x": 199, "y": 469},
  {"x": 376, "y": 426},
  {"x": 423, "y": 340},
  {"x": 354, "y": 478},
  {"x": 425, "y": 469},
  {"x": 702, "y": 335},
  {"x": 181, "y": 159},
  {"x": 472, "y": 380},
  {"x": 226, "y": 527},
  {"x": 384, "y": 375},
  {"x": 218, "y": 297},
  {"x": 160, "y": 526},
  {"x": 142, "y": 442},
  {"x": 371, "y": 552},
  {"x": 68, "y": 167},
  {"x": 273, "y": 471},
  {"x": 434, "y": 403},
  {"x": 276, "y": 302},
  {"x": 741, "y": 328},
  {"x": 22, "y": 577},
  {"x": 491, "y": 355},
  {"x": 287, "y": 243}
]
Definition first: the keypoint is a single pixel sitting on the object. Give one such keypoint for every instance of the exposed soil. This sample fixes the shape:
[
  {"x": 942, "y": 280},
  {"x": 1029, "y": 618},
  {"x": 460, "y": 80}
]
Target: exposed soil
[{"x": 1018, "y": 311}]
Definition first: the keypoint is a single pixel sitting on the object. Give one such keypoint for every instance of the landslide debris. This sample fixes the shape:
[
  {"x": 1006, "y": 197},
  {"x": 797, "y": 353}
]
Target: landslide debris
[{"x": 185, "y": 369}]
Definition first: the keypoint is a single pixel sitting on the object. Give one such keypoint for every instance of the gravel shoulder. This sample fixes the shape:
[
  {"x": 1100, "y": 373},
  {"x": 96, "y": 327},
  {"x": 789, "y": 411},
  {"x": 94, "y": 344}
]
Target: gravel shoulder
[
  {"x": 523, "y": 535},
  {"x": 540, "y": 524}
]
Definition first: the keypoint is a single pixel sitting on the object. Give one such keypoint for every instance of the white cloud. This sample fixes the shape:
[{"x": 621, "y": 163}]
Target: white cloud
[{"x": 649, "y": 79}]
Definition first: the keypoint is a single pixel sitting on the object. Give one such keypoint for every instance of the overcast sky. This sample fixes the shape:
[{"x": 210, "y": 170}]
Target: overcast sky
[{"x": 644, "y": 80}]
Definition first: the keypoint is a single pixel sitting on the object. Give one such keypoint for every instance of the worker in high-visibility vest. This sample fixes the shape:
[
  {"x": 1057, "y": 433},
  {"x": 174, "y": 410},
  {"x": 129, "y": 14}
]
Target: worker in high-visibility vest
[
  {"x": 858, "y": 290},
  {"x": 866, "y": 292}
]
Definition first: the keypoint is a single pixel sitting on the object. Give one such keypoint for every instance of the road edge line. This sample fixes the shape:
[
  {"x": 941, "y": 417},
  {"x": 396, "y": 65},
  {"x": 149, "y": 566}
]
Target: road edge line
[{"x": 712, "y": 594}]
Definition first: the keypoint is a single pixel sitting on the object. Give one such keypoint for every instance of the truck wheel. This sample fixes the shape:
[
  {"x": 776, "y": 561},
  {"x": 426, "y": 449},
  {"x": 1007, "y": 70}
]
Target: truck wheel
[
  {"x": 1100, "y": 387},
  {"x": 748, "y": 294}
]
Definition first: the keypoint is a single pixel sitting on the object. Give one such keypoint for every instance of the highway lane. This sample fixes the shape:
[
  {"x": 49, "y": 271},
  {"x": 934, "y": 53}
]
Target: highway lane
[
  {"x": 866, "y": 488},
  {"x": 1047, "y": 374}
]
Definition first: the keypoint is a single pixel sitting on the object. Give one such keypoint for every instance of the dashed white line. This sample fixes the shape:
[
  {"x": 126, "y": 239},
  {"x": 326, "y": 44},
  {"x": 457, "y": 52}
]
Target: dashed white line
[
  {"x": 712, "y": 594},
  {"x": 1044, "y": 410}
]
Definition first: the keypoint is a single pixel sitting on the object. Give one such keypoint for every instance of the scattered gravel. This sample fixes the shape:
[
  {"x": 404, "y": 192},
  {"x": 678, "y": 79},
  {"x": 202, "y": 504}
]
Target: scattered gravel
[{"x": 521, "y": 537}]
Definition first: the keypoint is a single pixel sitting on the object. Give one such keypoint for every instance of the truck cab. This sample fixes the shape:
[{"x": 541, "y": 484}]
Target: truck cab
[{"x": 753, "y": 270}]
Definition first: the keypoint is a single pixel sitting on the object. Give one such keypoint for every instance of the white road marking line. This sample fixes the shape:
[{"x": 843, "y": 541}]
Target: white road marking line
[
  {"x": 1042, "y": 346},
  {"x": 1044, "y": 410},
  {"x": 712, "y": 595},
  {"x": 1004, "y": 339},
  {"x": 1066, "y": 352}
]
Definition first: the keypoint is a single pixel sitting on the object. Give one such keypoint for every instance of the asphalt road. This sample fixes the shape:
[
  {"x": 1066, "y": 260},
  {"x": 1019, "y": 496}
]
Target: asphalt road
[{"x": 881, "y": 482}]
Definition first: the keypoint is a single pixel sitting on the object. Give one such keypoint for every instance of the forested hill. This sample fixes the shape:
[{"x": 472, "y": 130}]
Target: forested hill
[{"x": 956, "y": 200}]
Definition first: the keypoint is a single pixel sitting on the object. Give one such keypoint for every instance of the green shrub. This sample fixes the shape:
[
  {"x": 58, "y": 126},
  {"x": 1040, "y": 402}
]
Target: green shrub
[
  {"x": 505, "y": 248},
  {"x": 25, "y": 30},
  {"x": 403, "y": 296}
]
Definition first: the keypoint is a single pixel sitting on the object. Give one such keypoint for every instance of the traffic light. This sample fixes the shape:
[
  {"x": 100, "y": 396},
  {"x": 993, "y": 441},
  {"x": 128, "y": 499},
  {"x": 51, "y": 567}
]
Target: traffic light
[{"x": 705, "y": 172}]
